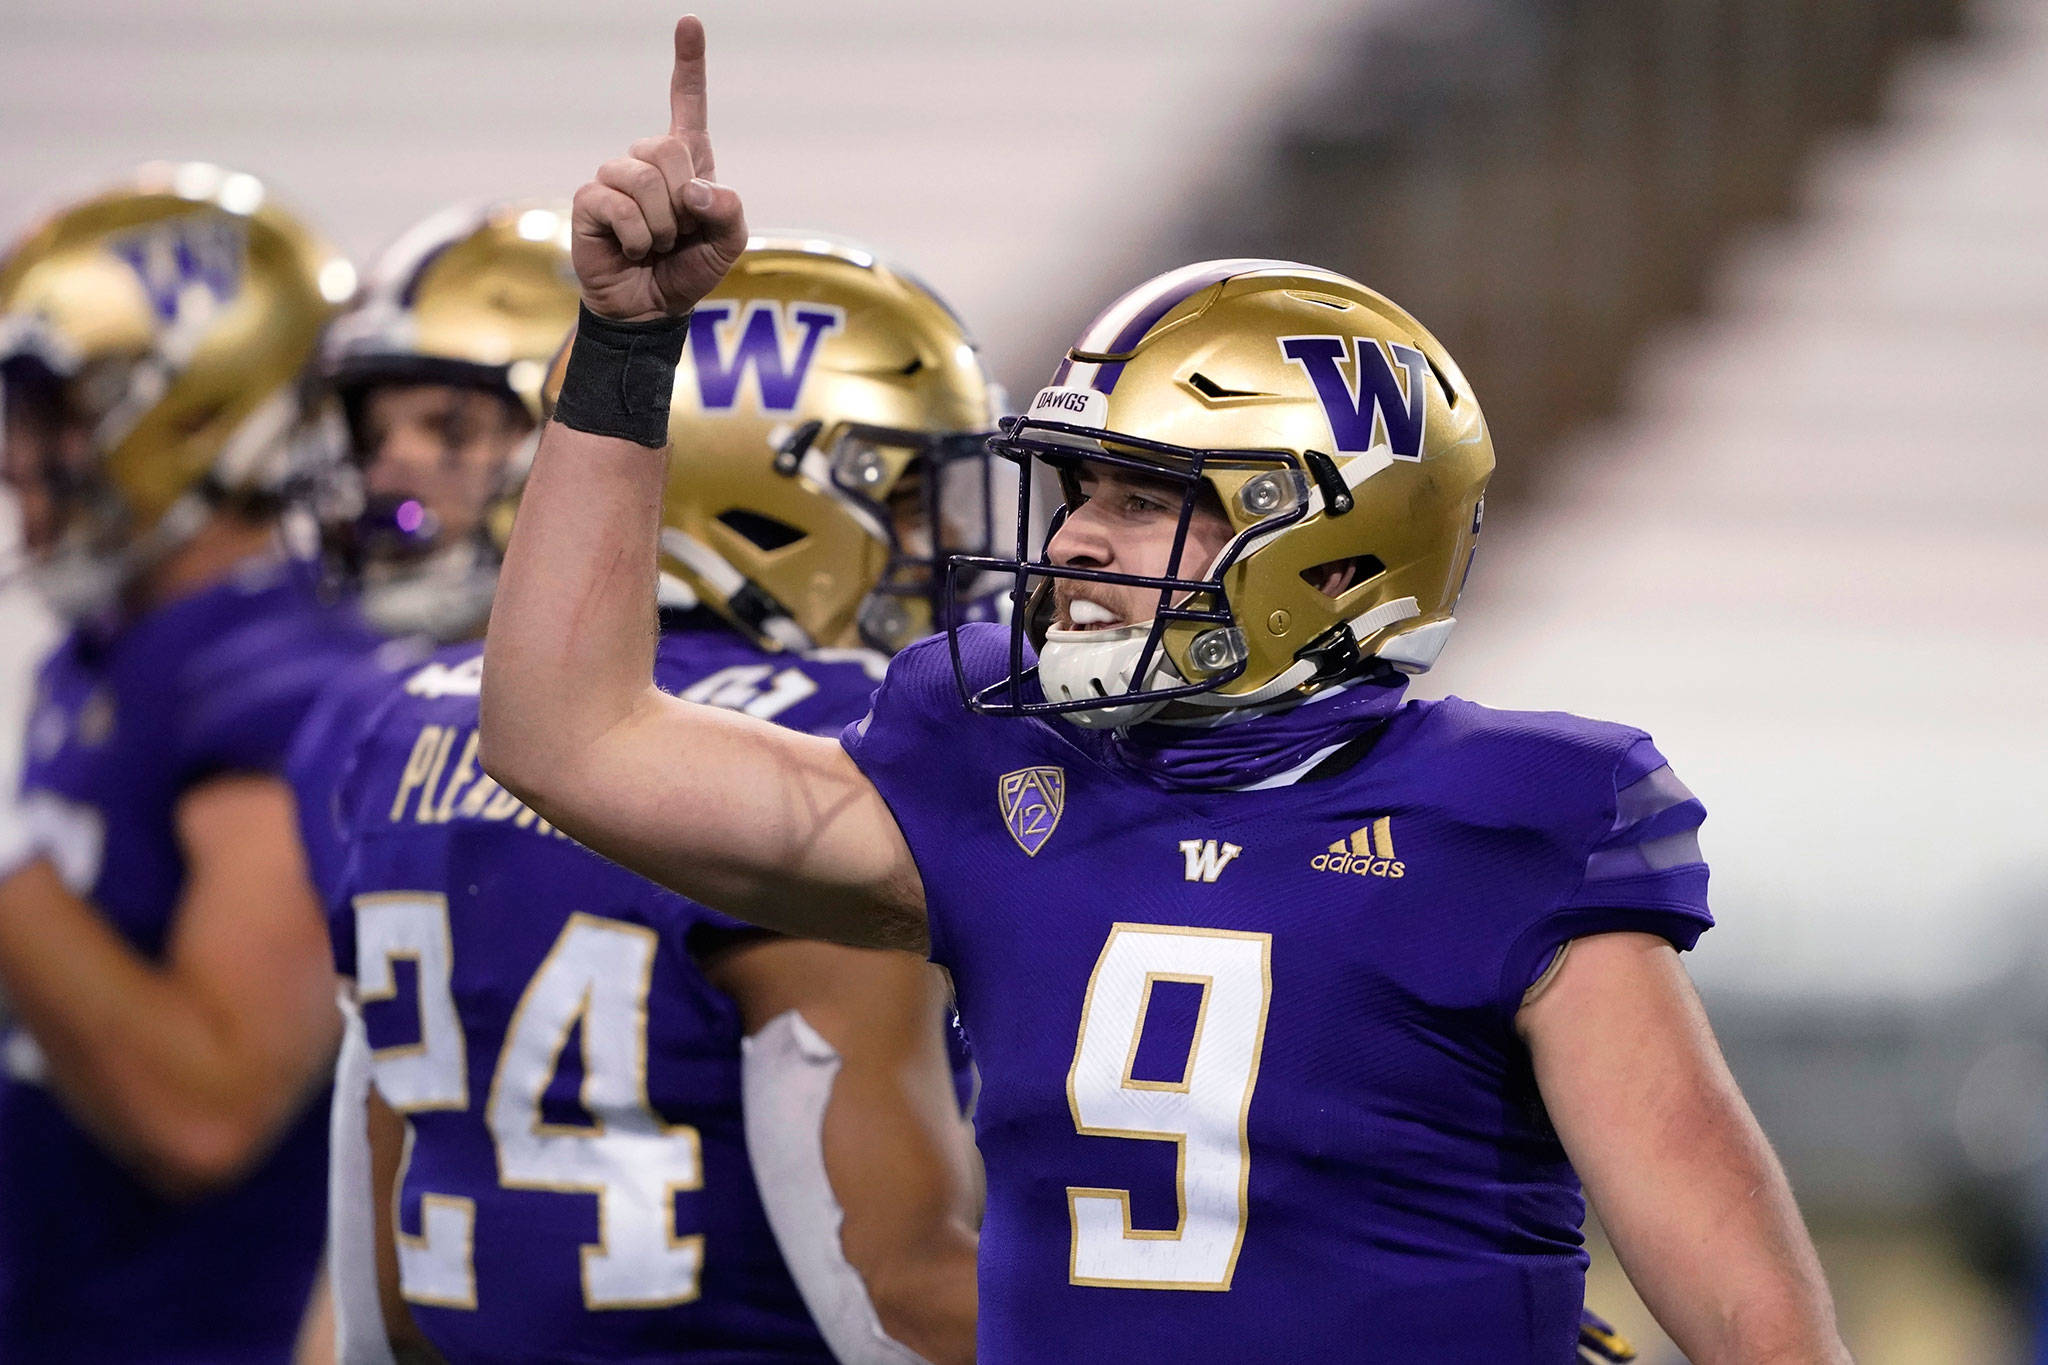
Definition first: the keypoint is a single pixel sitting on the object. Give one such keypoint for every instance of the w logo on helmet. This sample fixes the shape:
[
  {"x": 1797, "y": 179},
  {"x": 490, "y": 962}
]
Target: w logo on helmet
[
  {"x": 200, "y": 252},
  {"x": 776, "y": 341},
  {"x": 1374, "y": 405}
]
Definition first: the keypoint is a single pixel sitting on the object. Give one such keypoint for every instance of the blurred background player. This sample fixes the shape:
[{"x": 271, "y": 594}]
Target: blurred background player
[
  {"x": 160, "y": 1183},
  {"x": 584, "y": 1126},
  {"x": 436, "y": 371}
]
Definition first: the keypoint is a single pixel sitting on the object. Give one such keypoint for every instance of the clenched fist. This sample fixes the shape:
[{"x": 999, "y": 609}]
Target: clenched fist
[{"x": 654, "y": 232}]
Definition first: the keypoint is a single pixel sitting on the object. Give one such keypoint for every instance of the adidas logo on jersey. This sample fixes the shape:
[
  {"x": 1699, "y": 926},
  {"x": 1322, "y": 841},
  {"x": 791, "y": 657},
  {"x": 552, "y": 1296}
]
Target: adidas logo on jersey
[{"x": 1367, "y": 851}]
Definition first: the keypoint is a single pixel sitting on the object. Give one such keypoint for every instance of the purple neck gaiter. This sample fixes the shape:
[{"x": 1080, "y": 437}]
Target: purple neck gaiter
[{"x": 1253, "y": 748}]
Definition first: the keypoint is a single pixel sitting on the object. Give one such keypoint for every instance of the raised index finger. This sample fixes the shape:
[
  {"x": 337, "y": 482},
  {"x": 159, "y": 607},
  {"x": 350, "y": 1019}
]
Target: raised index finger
[{"x": 688, "y": 102}]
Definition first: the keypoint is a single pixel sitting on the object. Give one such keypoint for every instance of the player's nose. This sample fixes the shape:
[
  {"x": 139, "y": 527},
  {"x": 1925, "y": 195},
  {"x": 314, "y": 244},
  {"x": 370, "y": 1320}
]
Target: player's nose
[
  {"x": 1082, "y": 541},
  {"x": 398, "y": 459}
]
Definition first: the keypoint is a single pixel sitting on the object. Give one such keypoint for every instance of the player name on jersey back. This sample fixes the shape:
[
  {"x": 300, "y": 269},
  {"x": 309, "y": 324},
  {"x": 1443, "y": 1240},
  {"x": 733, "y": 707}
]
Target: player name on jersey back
[{"x": 442, "y": 781}]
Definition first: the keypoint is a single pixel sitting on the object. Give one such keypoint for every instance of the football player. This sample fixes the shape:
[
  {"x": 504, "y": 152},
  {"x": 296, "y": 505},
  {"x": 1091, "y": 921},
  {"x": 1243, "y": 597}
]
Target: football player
[
  {"x": 596, "y": 1199},
  {"x": 437, "y": 370},
  {"x": 160, "y": 944},
  {"x": 1301, "y": 1010}
]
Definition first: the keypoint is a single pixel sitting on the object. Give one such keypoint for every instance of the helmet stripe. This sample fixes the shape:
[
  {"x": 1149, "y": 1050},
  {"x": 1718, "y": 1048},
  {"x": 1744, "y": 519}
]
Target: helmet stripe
[{"x": 1122, "y": 325}]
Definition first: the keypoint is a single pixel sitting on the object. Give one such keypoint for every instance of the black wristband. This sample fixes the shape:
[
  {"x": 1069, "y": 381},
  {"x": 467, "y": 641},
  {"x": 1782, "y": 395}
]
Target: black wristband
[{"x": 620, "y": 376}]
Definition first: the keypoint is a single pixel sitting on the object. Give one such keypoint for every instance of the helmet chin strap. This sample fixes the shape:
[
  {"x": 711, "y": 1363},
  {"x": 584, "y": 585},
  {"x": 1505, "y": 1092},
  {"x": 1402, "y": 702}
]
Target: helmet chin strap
[
  {"x": 732, "y": 586},
  {"x": 1077, "y": 664}
]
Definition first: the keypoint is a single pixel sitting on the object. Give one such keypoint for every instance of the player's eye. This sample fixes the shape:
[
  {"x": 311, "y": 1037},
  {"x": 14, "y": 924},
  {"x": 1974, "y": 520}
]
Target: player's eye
[{"x": 452, "y": 427}]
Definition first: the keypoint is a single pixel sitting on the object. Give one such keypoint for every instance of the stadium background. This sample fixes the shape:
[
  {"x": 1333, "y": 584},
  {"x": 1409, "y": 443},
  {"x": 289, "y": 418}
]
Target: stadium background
[{"x": 1754, "y": 291}]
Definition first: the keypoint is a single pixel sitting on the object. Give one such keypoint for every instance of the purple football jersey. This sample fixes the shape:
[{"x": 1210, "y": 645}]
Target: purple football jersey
[
  {"x": 578, "y": 1186},
  {"x": 319, "y": 751},
  {"x": 93, "y": 1266},
  {"x": 1251, "y": 1088}
]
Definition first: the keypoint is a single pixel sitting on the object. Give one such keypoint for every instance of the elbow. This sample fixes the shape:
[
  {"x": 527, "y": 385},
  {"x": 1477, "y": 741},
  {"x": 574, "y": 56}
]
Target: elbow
[
  {"x": 190, "y": 1156},
  {"x": 535, "y": 760},
  {"x": 501, "y": 757},
  {"x": 537, "y": 780},
  {"x": 499, "y": 751},
  {"x": 518, "y": 756},
  {"x": 925, "y": 1299}
]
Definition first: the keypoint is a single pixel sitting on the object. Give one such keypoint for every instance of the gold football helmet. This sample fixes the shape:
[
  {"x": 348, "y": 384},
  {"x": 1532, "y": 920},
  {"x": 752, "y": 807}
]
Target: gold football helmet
[
  {"x": 164, "y": 323},
  {"x": 472, "y": 298},
  {"x": 1334, "y": 432},
  {"x": 830, "y": 425}
]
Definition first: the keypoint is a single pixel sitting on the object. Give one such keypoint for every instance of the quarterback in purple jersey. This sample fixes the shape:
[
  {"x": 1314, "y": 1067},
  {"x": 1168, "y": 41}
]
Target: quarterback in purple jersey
[
  {"x": 160, "y": 943},
  {"x": 1302, "y": 1009},
  {"x": 754, "y": 1151}
]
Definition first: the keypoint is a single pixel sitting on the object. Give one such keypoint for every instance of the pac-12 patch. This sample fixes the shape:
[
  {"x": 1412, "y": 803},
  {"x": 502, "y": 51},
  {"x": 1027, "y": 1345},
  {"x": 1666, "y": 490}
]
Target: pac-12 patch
[{"x": 1032, "y": 799}]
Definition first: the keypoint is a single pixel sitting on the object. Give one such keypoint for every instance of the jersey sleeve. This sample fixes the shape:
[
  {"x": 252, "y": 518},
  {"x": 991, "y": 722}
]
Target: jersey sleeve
[
  {"x": 894, "y": 744},
  {"x": 1643, "y": 871}
]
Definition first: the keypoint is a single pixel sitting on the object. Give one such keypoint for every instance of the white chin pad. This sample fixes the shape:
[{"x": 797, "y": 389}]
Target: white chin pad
[{"x": 1076, "y": 665}]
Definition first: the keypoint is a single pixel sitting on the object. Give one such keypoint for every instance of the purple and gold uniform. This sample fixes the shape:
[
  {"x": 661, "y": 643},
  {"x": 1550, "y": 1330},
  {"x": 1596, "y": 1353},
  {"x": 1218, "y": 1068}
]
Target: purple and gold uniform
[
  {"x": 577, "y": 1186},
  {"x": 93, "y": 1265},
  {"x": 1252, "y": 1088}
]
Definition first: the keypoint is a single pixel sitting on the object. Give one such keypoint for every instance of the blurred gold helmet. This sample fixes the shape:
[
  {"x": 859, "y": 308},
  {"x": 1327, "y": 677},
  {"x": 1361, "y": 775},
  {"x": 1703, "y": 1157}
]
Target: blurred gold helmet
[
  {"x": 474, "y": 295},
  {"x": 830, "y": 428},
  {"x": 475, "y": 298},
  {"x": 1334, "y": 432},
  {"x": 168, "y": 321}
]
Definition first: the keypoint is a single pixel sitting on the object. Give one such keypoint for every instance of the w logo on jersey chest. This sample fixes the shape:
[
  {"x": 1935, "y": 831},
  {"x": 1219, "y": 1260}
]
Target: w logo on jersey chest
[
  {"x": 1374, "y": 405},
  {"x": 777, "y": 342},
  {"x": 1206, "y": 858}
]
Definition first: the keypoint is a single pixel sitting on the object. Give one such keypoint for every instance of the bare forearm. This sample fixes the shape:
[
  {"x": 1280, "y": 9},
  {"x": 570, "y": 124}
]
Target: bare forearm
[
  {"x": 897, "y": 1157},
  {"x": 1719, "y": 1251},
  {"x": 1685, "y": 1182},
  {"x": 928, "y": 1302},
  {"x": 905, "y": 1190},
  {"x": 570, "y": 652},
  {"x": 1745, "y": 1285},
  {"x": 134, "y": 1053},
  {"x": 852, "y": 1127},
  {"x": 1771, "y": 1339}
]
